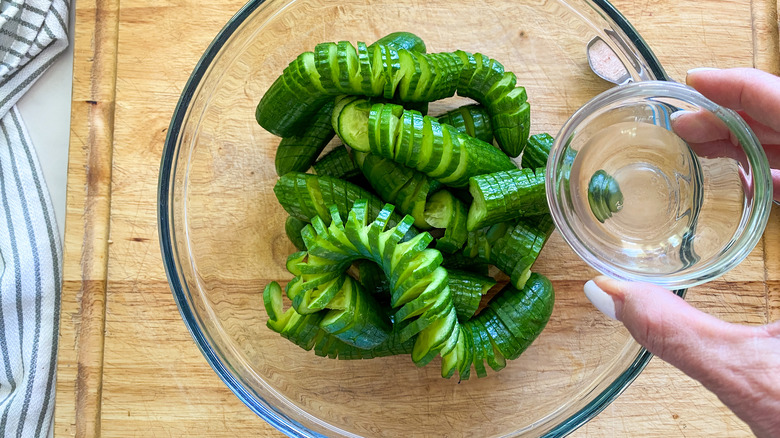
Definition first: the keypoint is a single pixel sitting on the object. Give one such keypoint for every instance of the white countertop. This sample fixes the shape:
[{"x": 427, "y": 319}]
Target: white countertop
[{"x": 45, "y": 110}]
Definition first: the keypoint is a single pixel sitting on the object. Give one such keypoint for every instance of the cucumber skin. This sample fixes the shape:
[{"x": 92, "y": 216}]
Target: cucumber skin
[
  {"x": 532, "y": 305},
  {"x": 293, "y": 227},
  {"x": 536, "y": 152},
  {"x": 292, "y": 193},
  {"x": 505, "y": 196},
  {"x": 337, "y": 163},
  {"x": 298, "y": 152},
  {"x": 472, "y": 120}
]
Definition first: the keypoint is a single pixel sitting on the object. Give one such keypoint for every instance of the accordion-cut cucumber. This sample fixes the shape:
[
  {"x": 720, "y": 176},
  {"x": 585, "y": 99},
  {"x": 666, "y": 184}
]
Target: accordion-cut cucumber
[
  {"x": 604, "y": 195},
  {"x": 536, "y": 152},
  {"x": 298, "y": 152},
  {"x": 306, "y": 196},
  {"x": 408, "y": 75},
  {"x": 399, "y": 185},
  {"x": 410, "y": 267},
  {"x": 502, "y": 196},
  {"x": 441, "y": 151},
  {"x": 516, "y": 251},
  {"x": 472, "y": 120},
  {"x": 337, "y": 164},
  {"x": 467, "y": 289},
  {"x": 484, "y": 80}
]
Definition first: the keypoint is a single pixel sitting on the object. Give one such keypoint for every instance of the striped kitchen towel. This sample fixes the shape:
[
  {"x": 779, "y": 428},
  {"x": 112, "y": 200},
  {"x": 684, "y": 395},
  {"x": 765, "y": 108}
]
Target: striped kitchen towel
[{"x": 32, "y": 34}]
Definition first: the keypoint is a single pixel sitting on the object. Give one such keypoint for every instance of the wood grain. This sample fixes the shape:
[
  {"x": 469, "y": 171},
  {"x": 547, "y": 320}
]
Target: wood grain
[
  {"x": 80, "y": 370},
  {"x": 127, "y": 364}
]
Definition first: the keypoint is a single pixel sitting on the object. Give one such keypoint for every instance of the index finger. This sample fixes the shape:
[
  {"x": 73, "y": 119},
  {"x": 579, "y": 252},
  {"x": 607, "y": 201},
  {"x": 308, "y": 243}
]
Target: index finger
[{"x": 755, "y": 92}]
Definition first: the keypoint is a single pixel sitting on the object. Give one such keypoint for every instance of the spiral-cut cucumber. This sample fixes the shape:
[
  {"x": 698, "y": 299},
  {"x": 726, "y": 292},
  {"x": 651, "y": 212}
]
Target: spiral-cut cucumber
[
  {"x": 306, "y": 332},
  {"x": 418, "y": 284},
  {"x": 416, "y": 141},
  {"x": 339, "y": 68},
  {"x": 502, "y": 196},
  {"x": 512, "y": 247},
  {"x": 399, "y": 185}
]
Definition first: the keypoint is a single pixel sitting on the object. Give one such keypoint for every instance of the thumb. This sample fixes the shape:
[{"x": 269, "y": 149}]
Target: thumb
[{"x": 665, "y": 324}]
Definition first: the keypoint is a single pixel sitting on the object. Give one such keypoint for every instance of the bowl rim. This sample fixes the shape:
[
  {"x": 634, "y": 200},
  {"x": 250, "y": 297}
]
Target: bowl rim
[{"x": 265, "y": 411}]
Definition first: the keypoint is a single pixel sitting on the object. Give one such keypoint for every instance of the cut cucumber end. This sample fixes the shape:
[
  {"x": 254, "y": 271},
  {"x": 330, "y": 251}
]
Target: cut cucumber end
[{"x": 352, "y": 124}]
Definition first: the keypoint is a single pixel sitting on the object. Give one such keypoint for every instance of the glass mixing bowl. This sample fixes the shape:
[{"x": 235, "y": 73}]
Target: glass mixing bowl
[
  {"x": 651, "y": 181},
  {"x": 222, "y": 230}
]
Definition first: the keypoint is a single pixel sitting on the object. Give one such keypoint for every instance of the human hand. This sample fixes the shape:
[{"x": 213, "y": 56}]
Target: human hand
[
  {"x": 754, "y": 94},
  {"x": 740, "y": 364}
]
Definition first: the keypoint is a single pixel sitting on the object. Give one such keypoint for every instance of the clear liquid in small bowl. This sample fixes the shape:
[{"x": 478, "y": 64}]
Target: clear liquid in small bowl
[{"x": 678, "y": 208}]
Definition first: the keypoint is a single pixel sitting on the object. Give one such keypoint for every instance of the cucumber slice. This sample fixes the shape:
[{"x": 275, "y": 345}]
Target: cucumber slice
[
  {"x": 350, "y": 77},
  {"x": 350, "y": 121},
  {"x": 432, "y": 338},
  {"x": 411, "y": 73}
]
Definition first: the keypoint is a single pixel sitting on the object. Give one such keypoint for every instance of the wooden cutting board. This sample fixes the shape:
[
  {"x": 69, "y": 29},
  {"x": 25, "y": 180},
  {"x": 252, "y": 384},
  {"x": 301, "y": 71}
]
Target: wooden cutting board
[{"x": 128, "y": 366}]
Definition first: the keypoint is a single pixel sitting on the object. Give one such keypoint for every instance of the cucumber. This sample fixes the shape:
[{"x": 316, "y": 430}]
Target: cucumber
[
  {"x": 472, "y": 120},
  {"x": 337, "y": 164},
  {"x": 305, "y": 196},
  {"x": 484, "y": 80},
  {"x": 467, "y": 289},
  {"x": 399, "y": 185},
  {"x": 515, "y": 252},
  {"x": 502, "y": 196},
  {"x": 359, "y": 322},
  {"x": 443, "y": 153},
  {"x": 410, "y": 266},
  {"x": 409, "y": 75},
  {"x": 298, "y": 152},
  {"x": 604, "y": 195},
  {"x": 402, "y": 40},
  {"x": 538, "y": 149},
  {"x": 293, "y": 227},
  {"x": 443, "y": 210},
  {"x": 525, "y": 312}
]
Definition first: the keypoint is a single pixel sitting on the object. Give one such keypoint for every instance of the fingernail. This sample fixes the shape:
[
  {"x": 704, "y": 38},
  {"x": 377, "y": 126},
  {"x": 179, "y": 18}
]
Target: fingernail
[
  {"x": 600, "y": 299},
  {"x": 698, "y": 70},
  {"x": 701, "y": 69},
  {"x": 679, "y": 113}
]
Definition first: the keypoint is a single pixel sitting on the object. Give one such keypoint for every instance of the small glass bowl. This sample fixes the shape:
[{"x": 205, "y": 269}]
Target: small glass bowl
[{"x": 651, "y": 181}]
